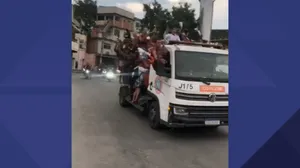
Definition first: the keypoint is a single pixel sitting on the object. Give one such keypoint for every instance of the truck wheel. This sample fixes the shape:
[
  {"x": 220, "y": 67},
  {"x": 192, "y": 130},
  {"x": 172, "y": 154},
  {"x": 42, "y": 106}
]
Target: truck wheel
[
  {"x": 122, "y": 95},
  {"x": 145, "y": 112},
  {"x": 154, "y": 115}
]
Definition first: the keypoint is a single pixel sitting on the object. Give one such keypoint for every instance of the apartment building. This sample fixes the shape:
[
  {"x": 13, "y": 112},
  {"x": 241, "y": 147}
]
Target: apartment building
[
  {"x": 78, "y": 44},
  {"x": 75, "y": 44},
  {"x": 137, "y": 24},
  {"x": 111, "y": 25}
]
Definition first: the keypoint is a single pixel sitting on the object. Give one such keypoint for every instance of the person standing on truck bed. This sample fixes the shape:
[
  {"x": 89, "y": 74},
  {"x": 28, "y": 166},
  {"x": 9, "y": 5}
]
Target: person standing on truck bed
[
  {"x": 141, "y": 72},
  {"x": 141, "y": 41},
  {"x": 126, "y": 53}
]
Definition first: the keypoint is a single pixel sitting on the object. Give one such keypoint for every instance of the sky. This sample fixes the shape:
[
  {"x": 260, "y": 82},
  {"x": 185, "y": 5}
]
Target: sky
[{"x": 220, "y": 17}]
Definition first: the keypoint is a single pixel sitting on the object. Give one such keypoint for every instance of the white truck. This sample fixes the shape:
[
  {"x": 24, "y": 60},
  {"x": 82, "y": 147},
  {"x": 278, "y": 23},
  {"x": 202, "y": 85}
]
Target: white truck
[{"x": 191, "y": 91}]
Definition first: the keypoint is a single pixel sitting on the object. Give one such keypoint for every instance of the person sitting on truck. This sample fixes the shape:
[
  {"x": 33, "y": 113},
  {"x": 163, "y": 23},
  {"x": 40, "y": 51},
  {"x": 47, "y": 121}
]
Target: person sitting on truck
[
  {"x": 172, "y": 36},
  {"x": 140, "y": 74},
  {"x": 184, "y": 35}
]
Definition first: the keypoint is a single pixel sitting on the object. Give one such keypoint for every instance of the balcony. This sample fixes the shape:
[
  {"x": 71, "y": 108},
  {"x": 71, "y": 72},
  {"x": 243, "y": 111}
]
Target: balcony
[
  {"x": 75, "y": 46},
  {"x": 119, "y": 24},
  {"x": 101, "y": 22}
]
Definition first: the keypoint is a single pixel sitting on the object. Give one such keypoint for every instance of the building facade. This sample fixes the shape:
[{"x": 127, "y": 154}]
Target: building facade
[
  {"x": 79, "y": 42},
  {"x": 75, "y": 44},
  {"x": 137, "y": 25},
  {"x": 111, "y": 25}
]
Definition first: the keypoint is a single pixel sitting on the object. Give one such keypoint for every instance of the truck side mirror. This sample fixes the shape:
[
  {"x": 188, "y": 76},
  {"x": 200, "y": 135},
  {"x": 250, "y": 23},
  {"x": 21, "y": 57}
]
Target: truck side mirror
[
  {"x": 164, "y": 71},
  {"x": 167, "y": 70}
]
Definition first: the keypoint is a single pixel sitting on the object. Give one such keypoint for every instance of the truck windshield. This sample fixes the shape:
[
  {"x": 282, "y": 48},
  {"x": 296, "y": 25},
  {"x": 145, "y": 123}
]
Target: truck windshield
[{"x": 200, "y": 66}]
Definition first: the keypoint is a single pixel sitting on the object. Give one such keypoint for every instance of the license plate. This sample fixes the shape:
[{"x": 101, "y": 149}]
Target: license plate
[{"x": 212, "y": 122}]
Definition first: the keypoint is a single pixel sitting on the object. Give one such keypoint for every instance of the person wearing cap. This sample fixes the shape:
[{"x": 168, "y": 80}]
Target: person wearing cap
[{"x": 126, "y": 53}]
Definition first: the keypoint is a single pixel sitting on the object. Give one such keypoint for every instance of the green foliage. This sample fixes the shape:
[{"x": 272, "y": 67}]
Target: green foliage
[
  {"x": 163, "y": 20},
  {"x": 85, "y": 11},
  {"x": 156, "y": 18}
]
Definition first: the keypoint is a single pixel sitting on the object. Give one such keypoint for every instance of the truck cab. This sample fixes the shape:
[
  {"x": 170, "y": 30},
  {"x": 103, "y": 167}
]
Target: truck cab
[{"x": 190, "y": 91}]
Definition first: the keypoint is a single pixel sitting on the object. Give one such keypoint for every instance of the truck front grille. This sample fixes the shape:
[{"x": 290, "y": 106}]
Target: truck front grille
[
  {"x": 199, "y": 97},
  {"x": 209, "y": 112}
]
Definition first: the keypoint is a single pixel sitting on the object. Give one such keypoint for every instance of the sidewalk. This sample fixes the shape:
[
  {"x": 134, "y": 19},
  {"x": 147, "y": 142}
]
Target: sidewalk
[
  {"x": 76, "y": 71},
  {"x": 80, "y": 71}
]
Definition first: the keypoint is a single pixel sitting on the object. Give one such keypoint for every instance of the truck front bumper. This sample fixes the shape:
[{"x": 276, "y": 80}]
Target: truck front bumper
[{"x": 198, "y": 116}]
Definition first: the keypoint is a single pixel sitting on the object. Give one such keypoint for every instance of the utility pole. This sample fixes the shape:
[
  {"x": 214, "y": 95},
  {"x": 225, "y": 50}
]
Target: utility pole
[{"x": 206, "y": 18}]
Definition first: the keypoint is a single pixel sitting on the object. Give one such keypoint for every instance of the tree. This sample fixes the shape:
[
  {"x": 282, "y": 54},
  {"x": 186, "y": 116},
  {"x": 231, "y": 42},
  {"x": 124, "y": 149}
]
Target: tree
[
  {"x": 156, "y": 17},
  {"x": 184, "y": 13},
  {"x": 162, "y": 19},
  {"x": 85, "y": 11}
]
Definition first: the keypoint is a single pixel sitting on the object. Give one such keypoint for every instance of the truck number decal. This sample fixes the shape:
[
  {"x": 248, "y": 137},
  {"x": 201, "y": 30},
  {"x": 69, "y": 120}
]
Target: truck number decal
[{"x": 186, "y": 86}]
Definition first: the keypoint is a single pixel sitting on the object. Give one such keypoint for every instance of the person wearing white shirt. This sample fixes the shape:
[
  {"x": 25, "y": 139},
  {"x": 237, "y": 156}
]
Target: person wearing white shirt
[{"x": 172, "y": 36}]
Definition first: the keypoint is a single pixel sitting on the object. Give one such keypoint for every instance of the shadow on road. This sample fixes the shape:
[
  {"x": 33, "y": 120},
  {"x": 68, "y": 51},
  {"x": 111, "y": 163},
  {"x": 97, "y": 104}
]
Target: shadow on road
[{"x": 197, "y": 133}]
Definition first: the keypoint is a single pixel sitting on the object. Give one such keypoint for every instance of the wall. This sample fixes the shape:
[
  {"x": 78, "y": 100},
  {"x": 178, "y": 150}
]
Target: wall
[
  {"x": 75, "y": 58},
  {"x": 81, "y": 40},
  {"x": 91, "y": 59},
  {"x": 75, "y": 46},
  {"x": 81, "y": 56},
  {"x": 110, "y": 51},
  {"x": 119, "y": 22}
]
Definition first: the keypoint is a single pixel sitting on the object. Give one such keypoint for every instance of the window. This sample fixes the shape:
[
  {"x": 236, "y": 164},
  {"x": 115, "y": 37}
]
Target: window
[
  {"x": 100, "y": 17},
  {"x": 117, "y": 32},
  {"x": 109, "y": 17},
  {"x": 199, "y": 66},
  {"x": 81, "y": 44},
  {"x": 117, "y": 18},
  {"x": 106, "y": 46}
]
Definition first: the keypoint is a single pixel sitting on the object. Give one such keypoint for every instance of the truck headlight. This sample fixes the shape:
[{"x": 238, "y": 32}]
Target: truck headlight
[{"x": 180, "y": 111}]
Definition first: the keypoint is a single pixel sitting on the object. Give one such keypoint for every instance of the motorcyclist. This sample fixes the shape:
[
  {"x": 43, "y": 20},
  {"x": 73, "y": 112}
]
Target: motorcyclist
[{"x": 87, "y": 66}]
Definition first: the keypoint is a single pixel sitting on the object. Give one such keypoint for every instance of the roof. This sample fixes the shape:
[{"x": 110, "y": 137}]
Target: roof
[
  {"x": 116, "y": 10},
  {"x": 219, "y": 34},
  {"x": 197, "y": 49}
]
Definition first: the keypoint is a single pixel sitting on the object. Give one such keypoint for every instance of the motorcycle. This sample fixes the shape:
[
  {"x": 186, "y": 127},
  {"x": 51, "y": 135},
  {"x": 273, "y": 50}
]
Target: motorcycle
[
  {"x": 87, "y": 73},
  {"x": 110, "y": 76}
]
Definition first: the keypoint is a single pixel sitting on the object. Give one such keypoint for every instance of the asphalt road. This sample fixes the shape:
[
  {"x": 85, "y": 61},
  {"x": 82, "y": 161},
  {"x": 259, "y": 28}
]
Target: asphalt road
[{"x": 108, "y": 136}]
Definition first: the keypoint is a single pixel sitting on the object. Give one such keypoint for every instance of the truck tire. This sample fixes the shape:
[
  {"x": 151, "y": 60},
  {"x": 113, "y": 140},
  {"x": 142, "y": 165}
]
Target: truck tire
[
  {"x": 123, "y": 92},
  {"x": 154, "y": 116},
  {"x": 145, "y": 112}
]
